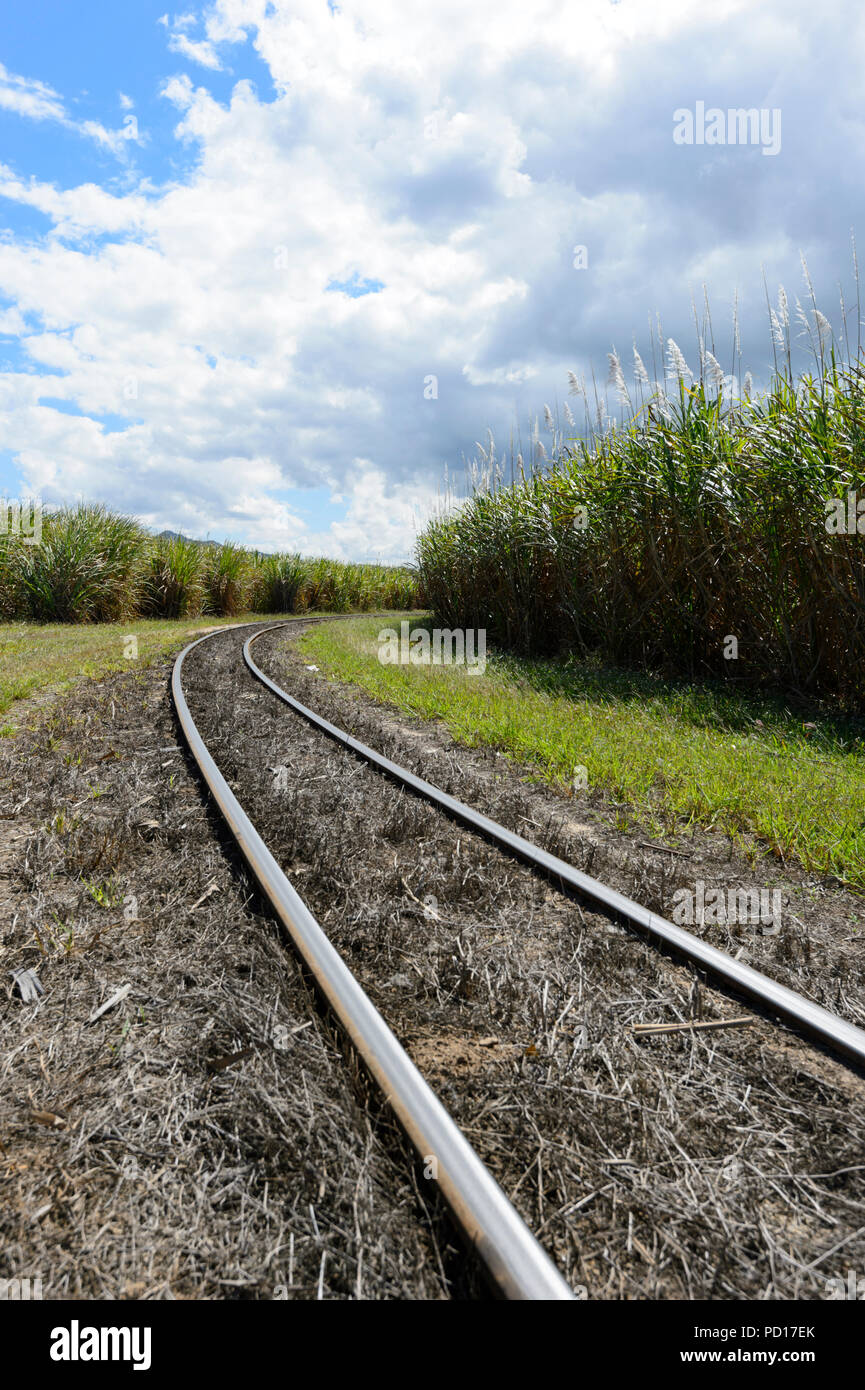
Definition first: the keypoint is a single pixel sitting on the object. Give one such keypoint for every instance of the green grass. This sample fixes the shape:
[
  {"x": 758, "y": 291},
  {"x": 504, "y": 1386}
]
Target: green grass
[
  {"x": 37, "y": 657},
  {"x": 40, "y": 657},
  {"x": 668, "y": 756}
]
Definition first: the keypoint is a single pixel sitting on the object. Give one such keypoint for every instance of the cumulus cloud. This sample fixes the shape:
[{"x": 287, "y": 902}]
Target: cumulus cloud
[{"x": 364, "y": 270}]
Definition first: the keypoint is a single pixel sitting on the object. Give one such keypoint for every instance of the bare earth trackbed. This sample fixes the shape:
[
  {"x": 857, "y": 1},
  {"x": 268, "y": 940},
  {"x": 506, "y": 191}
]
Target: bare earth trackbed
[{"x": 212, "y": 1134}]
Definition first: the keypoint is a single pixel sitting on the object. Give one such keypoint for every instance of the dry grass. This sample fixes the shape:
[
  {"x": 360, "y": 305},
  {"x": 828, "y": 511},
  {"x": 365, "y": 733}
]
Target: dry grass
[
  {"x": 203, "y": 1148},
  {"x": 208, "y": 1136},
  {"x": 692, "y": 1165}
]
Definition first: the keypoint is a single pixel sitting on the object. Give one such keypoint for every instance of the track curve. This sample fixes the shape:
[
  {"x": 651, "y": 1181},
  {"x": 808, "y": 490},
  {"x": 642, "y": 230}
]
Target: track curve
[
  {"x": 516, "y": 1262},
  {"x": 841, "y": 1036}
]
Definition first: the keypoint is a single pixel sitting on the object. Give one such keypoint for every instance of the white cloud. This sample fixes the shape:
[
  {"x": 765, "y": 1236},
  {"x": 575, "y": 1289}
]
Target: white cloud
[
  {"x": 12, "y": 323},
  {"x": 30, "y": 98},
  {"x": 38, "y": 102},
  {"x": 77, "y": 211},
  {"x": 381, "y": 518},
  {"x": 200, "y": 51},
  {"x": 218, "y": 29},
  {"x": 179, "y": 21},
  {"x": 456, "y": 156}
]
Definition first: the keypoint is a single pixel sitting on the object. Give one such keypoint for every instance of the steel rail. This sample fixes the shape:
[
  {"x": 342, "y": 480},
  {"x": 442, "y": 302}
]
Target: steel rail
[
  {"x": 517, "y": 1263},
  {"x": 837, "y": 1033}
]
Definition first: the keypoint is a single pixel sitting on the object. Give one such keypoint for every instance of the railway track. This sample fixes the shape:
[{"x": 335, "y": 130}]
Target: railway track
[
  {"x": 844, "y": 1037},
  {"x": 517, "y": 1265}
]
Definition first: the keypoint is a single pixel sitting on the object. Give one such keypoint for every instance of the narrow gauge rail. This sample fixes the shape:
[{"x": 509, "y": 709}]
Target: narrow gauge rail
[
  {"x": 517, "y": 1264},
  {"x": 837, "y": 1033}
]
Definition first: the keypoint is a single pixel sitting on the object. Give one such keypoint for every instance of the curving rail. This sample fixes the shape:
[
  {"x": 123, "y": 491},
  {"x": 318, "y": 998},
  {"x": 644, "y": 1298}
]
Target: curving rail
[
  {"x": 516, "y": 1262},
  {"x": 843, "y": 1037}
]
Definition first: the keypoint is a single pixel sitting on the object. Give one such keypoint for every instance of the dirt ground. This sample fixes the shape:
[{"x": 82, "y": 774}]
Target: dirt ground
[
  {"x": 207, "y": 1136},
  {"x": 210, "y": 1135}
]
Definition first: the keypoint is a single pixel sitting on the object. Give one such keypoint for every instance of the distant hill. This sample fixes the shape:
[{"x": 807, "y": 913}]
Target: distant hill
[{"x": 179, "y": 536}]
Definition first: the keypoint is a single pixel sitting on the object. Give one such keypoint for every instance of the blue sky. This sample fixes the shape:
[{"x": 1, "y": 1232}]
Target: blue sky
[
  {"x": 91, "y": 52},
  {"x": 266, "y": 268}
]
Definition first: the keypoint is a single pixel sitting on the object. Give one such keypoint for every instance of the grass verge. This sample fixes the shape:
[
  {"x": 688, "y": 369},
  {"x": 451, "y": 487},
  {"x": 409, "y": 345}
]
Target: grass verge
[
  {"x": 668, "y": 756},
  {"x": 54, "y": 657}
]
